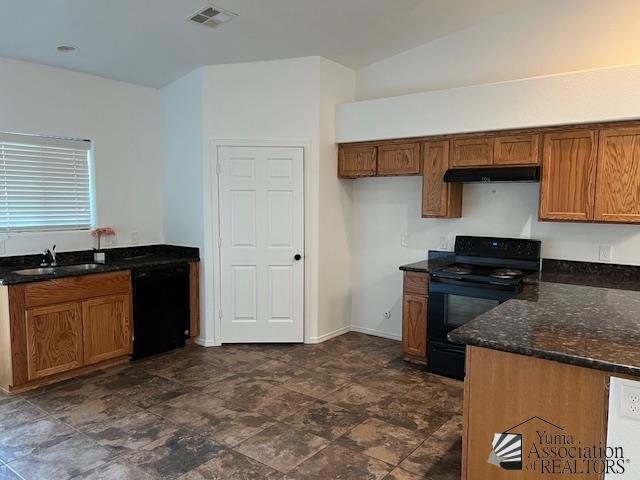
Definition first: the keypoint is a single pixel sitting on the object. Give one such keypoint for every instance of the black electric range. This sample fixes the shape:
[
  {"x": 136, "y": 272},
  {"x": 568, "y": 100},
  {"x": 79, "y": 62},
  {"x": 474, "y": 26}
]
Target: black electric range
[{"x": 486, "y": 272}]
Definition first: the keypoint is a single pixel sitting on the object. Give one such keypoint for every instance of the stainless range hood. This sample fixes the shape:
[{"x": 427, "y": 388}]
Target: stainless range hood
[{"x": 486, "y": 175}]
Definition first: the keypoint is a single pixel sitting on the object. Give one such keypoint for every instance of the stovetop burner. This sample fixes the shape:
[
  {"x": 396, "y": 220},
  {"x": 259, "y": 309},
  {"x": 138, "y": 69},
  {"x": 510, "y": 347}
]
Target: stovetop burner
[
  {"x": 457, "y": 269},
  {"x": 507, "y": 273}
]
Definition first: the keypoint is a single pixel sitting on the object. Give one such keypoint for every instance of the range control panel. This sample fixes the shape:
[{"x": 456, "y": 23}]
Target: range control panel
[{"x": 516, "y": 248}]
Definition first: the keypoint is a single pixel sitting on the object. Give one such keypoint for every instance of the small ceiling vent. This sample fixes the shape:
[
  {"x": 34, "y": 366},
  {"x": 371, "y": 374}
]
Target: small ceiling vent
[{"x": 212, "y": 16}]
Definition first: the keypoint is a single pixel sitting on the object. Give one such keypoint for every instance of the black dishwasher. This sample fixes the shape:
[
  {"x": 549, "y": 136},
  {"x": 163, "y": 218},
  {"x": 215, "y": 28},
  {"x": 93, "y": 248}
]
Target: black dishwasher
[{"x": 160, "y": 309}]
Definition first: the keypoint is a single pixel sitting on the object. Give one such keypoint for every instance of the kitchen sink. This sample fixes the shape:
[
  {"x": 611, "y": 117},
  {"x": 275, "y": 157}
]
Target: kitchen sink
[
  {"x": 36, "y": 271},
  {"x": 83, "y": 267}
]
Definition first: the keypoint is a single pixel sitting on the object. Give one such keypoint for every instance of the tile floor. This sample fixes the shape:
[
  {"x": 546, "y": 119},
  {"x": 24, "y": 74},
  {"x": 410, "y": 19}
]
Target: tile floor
[{"x": 347, "y": 409}]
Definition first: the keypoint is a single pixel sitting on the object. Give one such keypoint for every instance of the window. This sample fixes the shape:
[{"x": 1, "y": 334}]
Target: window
[{"x": 45, "y": 183}]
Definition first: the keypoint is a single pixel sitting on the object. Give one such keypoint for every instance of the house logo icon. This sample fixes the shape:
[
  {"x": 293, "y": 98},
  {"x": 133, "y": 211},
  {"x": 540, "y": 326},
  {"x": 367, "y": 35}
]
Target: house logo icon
[{"x": 507, "y": 451}]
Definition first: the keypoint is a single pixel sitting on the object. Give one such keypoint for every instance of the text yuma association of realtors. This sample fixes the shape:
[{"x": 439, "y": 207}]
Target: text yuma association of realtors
[{"x": 552, "y": 453}]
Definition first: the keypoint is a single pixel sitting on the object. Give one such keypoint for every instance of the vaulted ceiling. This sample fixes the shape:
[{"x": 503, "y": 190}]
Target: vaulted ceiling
[{"x": 149, "y": 42}]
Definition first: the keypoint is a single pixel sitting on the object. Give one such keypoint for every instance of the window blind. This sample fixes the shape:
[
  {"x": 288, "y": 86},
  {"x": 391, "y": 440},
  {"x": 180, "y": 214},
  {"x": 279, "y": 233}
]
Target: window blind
[{"x": 44, "y": 183}]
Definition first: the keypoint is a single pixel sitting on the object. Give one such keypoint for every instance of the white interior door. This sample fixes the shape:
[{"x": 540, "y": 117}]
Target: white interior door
[{"x": 262, "y": 232}]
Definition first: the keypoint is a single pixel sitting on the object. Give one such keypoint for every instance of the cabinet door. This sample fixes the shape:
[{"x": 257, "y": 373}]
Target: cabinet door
[
  {"x": 567, "y": 188},
  {"x": 414, "y": 325},
  {"x": 106, "y": 328},
  {"x": 399, "y": 159},
  {"x": 517, "y": 150},
  {"x": 439, "y": 199},
  {"x": 471, "y": 152},
  {"x": 54, "y": 339},
  {"x": 618, "y": 179},
  {"x": 357, "y": 161}
]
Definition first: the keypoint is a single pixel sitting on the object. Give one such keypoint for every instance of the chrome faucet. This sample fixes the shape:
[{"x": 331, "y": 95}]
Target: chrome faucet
[{"x": 49, "y": 257}]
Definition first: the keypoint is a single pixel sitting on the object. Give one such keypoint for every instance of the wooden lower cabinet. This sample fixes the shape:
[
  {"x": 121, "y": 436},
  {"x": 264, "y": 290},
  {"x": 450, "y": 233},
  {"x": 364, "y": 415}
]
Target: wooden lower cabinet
[
  {"x": 518, "y": 394},
  {"x": 414, "y": 317},
  {"x": 57, "y": 329},
  {"x": 54, "y": 339},
  {"x": 106, "y": 328}
]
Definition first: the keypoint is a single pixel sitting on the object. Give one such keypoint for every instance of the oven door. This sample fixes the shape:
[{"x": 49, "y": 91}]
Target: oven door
[{"x": 452, "y": 303}]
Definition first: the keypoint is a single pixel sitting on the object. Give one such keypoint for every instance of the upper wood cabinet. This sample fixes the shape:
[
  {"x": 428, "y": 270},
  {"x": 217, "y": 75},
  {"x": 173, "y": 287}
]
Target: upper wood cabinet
[
  {"x": 399, "y": 159},
  {"x": 439, "y": 199},
  {"x": 517, "y": 150},
  {"x": 357, "y": 161},
  {"x": 567, "y": 187},
  {"x": 617, "y": 197},
  {"x": 54, "y": 339},
  {"x": 472, "y": 152},
  {"x": 106, "y": 328}
]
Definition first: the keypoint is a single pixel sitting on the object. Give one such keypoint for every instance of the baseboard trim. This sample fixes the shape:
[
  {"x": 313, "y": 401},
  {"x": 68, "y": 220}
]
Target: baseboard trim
[
  {"x": 376, "y": 333},
  {"x": 323, "y": 338},
  {"x": 203, "y": 342},
  {"x": 329, "y": 336}
]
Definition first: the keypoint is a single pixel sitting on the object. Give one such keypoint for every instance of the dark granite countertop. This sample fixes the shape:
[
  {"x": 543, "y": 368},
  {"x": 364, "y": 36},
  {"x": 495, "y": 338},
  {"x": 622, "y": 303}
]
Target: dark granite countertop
[
  {"x": 117, "y": 259},
  {"x": 582, "y": 325},
  {"x": 436, "y": 259}
]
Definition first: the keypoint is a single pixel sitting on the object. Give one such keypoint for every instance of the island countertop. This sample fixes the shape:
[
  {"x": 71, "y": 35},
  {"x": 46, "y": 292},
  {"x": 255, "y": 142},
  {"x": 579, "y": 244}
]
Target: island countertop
[{"x": 577, "y": 324}]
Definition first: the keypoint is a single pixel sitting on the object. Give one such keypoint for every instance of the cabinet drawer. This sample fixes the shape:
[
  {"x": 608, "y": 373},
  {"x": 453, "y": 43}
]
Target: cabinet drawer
[
  {"x": 399, "y": 159},
  {"x": 70, "y": 289},
  {"x": 416, "y": 283}
]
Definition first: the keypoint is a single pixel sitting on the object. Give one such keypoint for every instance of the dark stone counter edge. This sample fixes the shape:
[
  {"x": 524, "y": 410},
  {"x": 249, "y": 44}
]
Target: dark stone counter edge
[
  {"x": 19, "y": 279},
  {"x": 549, "y": 355},
  {"x": 152, "y": 256}
]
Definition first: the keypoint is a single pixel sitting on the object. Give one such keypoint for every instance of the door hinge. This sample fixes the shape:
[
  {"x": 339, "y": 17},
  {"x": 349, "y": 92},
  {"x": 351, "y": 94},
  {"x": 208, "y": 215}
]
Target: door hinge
[
  {"x": 218, "y": 167},
  {"x": 219, "y": 242},
  {"x": 220, "y": 314}
]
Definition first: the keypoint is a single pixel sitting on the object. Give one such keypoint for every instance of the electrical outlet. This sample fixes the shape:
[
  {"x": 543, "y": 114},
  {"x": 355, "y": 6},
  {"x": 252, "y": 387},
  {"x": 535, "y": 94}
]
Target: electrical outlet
[
  {"x": 135, "y": 238},
  {"x": 404, "y": 240},
  {"x": 630, "y": 407},
  {"x": 387, "y": 315},
  {"x": 605, "y": 253}
]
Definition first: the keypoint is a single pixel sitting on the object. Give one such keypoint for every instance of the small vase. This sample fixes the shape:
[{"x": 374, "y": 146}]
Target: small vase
[{"x": 99, "y": 257}]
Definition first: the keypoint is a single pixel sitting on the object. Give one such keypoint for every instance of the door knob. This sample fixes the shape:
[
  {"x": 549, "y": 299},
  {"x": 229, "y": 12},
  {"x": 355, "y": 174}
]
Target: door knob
[{"x": 297, "y": 256}]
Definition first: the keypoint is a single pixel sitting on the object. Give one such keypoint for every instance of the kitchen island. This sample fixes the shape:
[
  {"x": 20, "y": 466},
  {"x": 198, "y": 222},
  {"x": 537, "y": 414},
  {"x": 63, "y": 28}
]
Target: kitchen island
[{"x": 538, "y": 370}]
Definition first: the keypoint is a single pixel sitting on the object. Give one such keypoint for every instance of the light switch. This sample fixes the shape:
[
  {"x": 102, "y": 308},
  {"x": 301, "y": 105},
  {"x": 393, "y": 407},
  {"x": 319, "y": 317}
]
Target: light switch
[{"x": 135, "y": 238}]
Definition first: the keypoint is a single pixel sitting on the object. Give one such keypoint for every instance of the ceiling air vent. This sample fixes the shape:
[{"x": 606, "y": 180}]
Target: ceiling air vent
[{"x": 212, "y": 16}]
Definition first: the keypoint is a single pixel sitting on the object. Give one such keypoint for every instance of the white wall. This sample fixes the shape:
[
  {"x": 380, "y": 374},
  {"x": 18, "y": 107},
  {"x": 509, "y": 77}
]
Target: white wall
[
  {"x": 123, "y": 122},
  {"x": 182, "y": 153},
  {"x": 287, "y": 101},
  {"x": 337, "y": 85},
  {"x": 547, "y": 37}
]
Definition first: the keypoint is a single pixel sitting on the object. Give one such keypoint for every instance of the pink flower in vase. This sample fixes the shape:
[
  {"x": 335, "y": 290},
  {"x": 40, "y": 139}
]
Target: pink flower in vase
[{"x": 100, "y": 231}]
